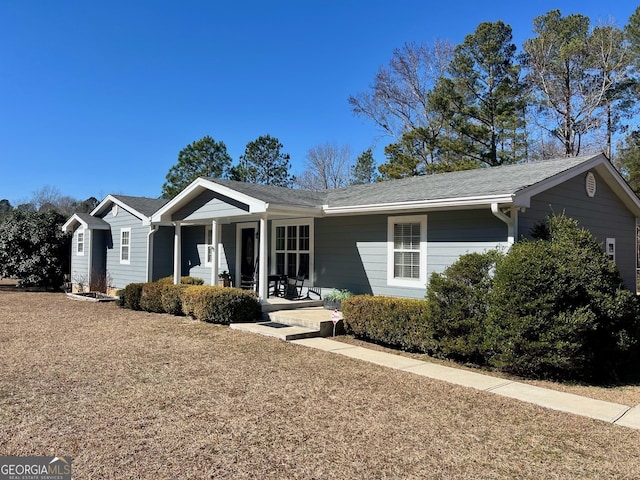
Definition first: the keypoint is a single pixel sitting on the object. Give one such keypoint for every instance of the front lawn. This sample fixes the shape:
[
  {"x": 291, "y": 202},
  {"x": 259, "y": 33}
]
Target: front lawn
[{"x": 131, "y": 394}]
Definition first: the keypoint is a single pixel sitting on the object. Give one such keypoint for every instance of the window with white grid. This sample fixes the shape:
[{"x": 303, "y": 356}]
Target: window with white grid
[
  {"x": 292, "y": 247},
  {"x": 406, "y": 241},
  {"x": 125, "y": 245},
  {"x": 80, "y": 244}
]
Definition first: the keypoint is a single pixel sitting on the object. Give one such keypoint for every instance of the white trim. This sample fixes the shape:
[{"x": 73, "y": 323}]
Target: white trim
[
  {"x": 420, "y": 282},
  {"x": 420, "y": 205},
  {"x": 208, "y": 230},
  {"x": 110, "y": 198},
  {"x": 126, "y": 261},
  {"x": 198, "y": 186},
  {"x": 310, "y": 221},
  {"x": 81, "y": 231}
]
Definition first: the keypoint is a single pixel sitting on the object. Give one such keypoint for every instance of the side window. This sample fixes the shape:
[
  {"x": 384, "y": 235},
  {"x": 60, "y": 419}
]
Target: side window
[
  {"x": 80, "y": 243},
  {"x": 125, "y": 245},
  {"x": 610, "y": 246}
]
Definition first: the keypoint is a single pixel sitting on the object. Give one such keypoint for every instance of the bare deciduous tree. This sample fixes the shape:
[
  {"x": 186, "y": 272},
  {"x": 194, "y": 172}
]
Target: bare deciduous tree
[
  {"x": 397, "y": 101},
  {"x": 327, "y": 166}
]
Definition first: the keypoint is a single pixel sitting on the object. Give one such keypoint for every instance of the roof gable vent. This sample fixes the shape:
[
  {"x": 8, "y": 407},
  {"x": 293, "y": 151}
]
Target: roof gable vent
[{"x": 590, "y": 185}]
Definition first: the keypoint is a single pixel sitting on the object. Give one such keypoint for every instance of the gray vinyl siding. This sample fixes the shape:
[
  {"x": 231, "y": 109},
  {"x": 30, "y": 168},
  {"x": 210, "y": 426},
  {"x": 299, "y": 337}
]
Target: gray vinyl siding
[
  {"x": 194, "y": 252},
  {"x": 351, "y": 251},
  {"x": 163, "y": 252},
  {"x": 136, "y": 271},
  {"x": 454, "y": 233},
  {"x": 604, "y": 215},
  {"x": 210, "y": 205},
  {"x": 80, "y": 263}
]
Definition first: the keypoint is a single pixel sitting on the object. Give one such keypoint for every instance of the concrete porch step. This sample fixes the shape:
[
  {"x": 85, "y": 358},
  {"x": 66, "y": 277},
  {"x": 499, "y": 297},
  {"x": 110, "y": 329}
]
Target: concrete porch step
[
  {"x": 288, "y": 333},
  {"x": 295, "y": 324},
  {"x": 316, "y": 318}
]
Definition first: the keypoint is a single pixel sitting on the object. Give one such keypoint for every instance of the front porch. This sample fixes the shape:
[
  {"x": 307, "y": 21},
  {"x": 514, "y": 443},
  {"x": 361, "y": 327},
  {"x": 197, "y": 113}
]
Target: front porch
[{"x": 244, "y": 232}]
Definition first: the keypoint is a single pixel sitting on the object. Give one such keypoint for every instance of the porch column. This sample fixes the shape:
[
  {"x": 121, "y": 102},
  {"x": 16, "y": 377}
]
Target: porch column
[
  {"x": 214, "y": 252},
  {"x": 263, "y": 287},
  {"x": 177, "y": 253}
]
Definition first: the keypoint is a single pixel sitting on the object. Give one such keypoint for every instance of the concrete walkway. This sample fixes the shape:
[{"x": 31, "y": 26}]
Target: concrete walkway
[{"x": 566, "y": 402}]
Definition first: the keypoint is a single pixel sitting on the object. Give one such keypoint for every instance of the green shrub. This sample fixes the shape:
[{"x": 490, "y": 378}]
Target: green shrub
[
  {"x": 151, "y": 297},
  {"x": 558, "y": 309},
  {"x": 183, "y": 280},
  {"x": 132, "y": 293},
  {"x": 457, "y": 304},
  {"x": 171, "y": 298},
  {"x": 220, "y": 305},
  {"x": 120, "y": 295},
  {"x": 395, "y": 322}
]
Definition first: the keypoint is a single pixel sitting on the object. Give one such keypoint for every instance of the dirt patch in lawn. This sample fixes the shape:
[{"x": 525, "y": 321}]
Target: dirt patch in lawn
[
  {"x": 139, "y": 395},
  {"x": 623, "y": 394}
]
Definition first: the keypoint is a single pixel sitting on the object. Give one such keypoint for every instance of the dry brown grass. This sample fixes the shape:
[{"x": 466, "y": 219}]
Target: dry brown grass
[
  {"x": 623, "y": 394},
  {"x": 137, "y": 395}
]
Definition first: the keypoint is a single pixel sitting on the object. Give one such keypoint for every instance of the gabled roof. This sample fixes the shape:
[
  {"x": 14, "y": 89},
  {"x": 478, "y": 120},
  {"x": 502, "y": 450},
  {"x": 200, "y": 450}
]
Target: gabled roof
[
  {"x": 85, "y": 220},
  {"x": 141, "y": 207},
  {"x": 510, "y": 184},
  {"x": 275, "y": 195},
  {"x": 505, "y": 185},
  {"x": 481, "y": 182}
]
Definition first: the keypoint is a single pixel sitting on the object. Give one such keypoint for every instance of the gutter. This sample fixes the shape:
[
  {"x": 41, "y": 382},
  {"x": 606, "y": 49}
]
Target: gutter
[{"x": 509, "y": 220}]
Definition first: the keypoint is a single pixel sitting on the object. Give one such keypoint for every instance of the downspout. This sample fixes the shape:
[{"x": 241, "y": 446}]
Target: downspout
[
  {"x": 510, "y": 221},
  {"x": 154, "y": 229}
]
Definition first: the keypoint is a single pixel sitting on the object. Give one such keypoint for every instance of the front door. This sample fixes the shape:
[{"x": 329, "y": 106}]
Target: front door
[{"x": 248, "y": 252}]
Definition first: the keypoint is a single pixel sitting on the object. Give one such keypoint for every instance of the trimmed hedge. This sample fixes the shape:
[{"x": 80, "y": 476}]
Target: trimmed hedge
[
  {"x": 132, "y": 294},
  {"x": 220, "y": 304},
  {"x": 183, "y": 280},
  {"x": 151, "y": 298},
  {"x": 171, "y": 298},
  {"x": 395, "y": 322},
  {"x": 207, "y": 303}
]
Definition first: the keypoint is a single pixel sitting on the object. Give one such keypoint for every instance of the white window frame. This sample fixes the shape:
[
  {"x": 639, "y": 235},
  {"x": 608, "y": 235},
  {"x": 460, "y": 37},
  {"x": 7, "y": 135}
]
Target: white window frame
[
  {"x": 80, "y": 234},
  {"x": 420, "y": 282},
  {"x": 126, "y": 261},
  {"x": 610, "y": 249},
  {"x": 208, "y": 247},
  {"x": 290, "y": 223}
]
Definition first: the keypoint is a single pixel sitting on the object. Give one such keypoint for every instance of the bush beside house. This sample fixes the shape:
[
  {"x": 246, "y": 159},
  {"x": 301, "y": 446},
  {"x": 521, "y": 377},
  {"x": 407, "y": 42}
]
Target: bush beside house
[
  {"x": 207, "y": 303},
  {"x": 552, "y": 307},
  {"x": 395, "y": 322}
]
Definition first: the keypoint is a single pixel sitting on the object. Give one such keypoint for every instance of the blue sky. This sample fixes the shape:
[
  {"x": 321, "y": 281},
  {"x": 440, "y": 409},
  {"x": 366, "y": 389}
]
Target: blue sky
[{"x": 99, "y": 97}]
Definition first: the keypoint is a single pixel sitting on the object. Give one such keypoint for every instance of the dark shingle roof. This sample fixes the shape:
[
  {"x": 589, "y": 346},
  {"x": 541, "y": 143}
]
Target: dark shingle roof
[
  {"x": 91, "y": 221},
  {"x": 275, "y": 195},
  {"x": 145, "y": 205},
  {"x": 504, "y": 180}
]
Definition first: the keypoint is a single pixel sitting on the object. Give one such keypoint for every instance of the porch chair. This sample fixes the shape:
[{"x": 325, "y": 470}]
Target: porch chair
[
  {"x": 250, "y": 282},
  {"x": 294, "y": 287}
]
